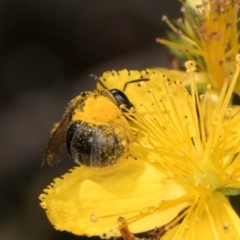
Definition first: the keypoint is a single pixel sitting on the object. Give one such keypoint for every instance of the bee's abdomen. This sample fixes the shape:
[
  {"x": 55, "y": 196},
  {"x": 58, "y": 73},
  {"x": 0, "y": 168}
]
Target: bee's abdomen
[{"x": 96, "y": 145}]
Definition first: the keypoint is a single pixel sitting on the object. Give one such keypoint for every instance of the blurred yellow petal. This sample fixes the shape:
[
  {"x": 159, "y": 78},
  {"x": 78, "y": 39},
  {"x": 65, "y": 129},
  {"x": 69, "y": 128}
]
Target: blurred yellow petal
[{"x": 88, "y": 202}]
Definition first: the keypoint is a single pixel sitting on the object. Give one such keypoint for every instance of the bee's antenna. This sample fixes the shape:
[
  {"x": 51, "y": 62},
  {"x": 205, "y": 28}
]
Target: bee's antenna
[
  {"x": 136, "y": 80},
  {"x": 96, "y": 78}
]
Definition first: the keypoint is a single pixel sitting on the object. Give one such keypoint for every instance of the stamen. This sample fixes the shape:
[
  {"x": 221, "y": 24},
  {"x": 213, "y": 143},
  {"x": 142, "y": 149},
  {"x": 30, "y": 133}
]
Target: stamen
[
  {"x": 174, "y": 29},
  {"x": 191, "y": 68}
]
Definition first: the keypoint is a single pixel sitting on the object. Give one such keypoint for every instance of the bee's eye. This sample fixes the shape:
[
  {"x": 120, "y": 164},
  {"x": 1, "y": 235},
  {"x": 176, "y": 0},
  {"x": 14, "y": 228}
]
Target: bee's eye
[
  {"x": 121, "y": 98},
  {"x": 95, "y": 145}
]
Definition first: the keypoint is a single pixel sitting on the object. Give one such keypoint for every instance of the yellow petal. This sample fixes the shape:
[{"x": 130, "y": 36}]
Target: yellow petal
[
  {"x": 200, "y": 77},
  {"x": 88, "y": 202},
  {"x": 117, "y": 80},
  {"x": 140, "y": 83}
]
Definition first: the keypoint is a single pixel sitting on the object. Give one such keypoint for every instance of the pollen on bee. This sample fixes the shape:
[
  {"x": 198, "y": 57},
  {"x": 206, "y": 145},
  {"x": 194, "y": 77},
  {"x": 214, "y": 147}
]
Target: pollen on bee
[{"x": 93, "y": 218}]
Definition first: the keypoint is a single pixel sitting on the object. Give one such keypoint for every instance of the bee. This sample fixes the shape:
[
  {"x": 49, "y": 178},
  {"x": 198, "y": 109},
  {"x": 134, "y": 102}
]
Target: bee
[{"x": 94, "y": 128}]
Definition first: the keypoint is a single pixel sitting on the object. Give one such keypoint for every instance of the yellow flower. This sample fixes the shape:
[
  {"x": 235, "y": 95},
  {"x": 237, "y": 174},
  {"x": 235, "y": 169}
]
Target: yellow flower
[
  {"x": 181, "y": 173},
  {"x": 210, "y": 36},
  {"x": 204, "y": 163}
]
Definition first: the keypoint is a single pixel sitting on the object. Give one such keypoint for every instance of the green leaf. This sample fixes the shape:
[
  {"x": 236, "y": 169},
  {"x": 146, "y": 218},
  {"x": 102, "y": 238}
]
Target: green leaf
[{"x": 230, "y": 191}]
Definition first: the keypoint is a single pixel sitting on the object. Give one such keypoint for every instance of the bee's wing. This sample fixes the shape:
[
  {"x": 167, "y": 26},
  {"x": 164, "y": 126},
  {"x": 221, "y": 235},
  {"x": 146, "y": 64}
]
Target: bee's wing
[{"x": 55, "y": 142}]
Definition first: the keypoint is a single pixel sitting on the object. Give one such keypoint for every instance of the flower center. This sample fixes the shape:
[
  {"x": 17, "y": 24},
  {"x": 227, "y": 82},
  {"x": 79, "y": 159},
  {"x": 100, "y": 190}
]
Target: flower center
[{"x": 206, "y": 176}]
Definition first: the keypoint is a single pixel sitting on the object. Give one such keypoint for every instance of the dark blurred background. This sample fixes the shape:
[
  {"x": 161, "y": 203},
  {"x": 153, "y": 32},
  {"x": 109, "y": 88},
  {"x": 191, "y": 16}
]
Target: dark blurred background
[{"x": 48, "y": 48}]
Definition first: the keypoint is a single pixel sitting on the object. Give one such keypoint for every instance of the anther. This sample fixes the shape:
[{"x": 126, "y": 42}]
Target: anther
[
  {"x": 163, "y": 76},
  {"x": 209, "y": 86},
  {"x": 190, "y": 66},
  {"x": 238, "y": 58},
  {"x": 225, "y": 227},
  {"x": 179, "y": 20},
  {"x": 179, "y": 32},
  {"x": 183, "y": 9},
  {"x": 142, "y": 83},
  {"x": 178, "y": 82},
  {"x": 103, "y": 236},
  {"x": 149, "y": 90},
  {"x": 164, "y": 18}
]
